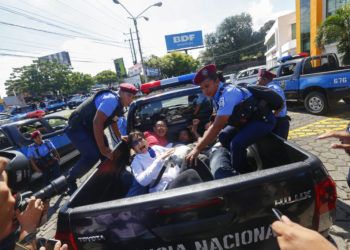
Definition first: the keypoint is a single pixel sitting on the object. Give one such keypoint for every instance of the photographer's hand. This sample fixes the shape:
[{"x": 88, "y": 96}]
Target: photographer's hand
[
  {"x": 292, "y": 236},
  {"x": 58, "y": 246},
  {"x": 29, "y": 219}
]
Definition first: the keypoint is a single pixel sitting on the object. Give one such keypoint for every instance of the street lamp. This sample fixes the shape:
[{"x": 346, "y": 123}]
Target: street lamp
[{"x": 134, "y": 18}]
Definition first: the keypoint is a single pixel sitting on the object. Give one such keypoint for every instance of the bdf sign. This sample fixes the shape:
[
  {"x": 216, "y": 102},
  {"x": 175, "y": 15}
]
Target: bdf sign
[{"x": 184, "y": 41}]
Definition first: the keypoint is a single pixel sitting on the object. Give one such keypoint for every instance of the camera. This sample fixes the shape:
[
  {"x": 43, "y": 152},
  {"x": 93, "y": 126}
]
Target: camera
[{"x": 56, "y": 187}]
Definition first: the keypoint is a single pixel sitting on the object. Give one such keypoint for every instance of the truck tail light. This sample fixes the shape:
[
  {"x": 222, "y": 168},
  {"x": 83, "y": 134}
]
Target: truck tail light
[
  {"x": 326, "y": 198},
  {"x": 67, "y": 238}
]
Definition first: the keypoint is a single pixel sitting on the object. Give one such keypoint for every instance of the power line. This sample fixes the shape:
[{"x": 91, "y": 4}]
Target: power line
[
  {"x": 72, "y": 59},
  {"x": 104, "y": 12},
  {"x": 62, "y": 34},
  {"x": 43, "y": 21},
  {"x": 58, "y": 21},
  {"x": 235, "y": 51},
  {"x": 90, "y": 17}
]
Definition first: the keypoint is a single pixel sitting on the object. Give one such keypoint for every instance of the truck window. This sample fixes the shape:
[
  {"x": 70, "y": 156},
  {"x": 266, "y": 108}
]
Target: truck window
[
  {"x": 274, "y": 70},
  {"x": 319, "y": 64},
  {"x": 288, "y": 69},
  {"x": 28, "y": 128},
  {"x": 174, "y": 111},
  {"x": 57, "y": 123},
  {"x": 4, "y": 141}
]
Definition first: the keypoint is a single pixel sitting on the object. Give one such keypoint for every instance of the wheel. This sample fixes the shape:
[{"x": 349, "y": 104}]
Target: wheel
[
  {"x": 316, "y": 103},
  {"x": 346, "y": 100}
]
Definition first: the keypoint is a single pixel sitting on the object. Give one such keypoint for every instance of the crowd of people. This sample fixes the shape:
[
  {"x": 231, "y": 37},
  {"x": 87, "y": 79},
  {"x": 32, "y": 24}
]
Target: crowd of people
[{"x": 237, "y": 122}]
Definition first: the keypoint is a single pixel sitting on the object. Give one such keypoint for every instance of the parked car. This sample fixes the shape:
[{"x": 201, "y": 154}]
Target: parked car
[
  {"x": 19, "y": 113},
  {"x": 6, "y": 118},
  {"x": 55, "y": 105},
  {"x": 230, "y": 78},
  {"x": 248, "y": 76},
  {"x": 317, "y": 81},
  {"x": 75, "y": 101},
  {"x": 234, "y": 212},
  {"x": 15, "y": 136}
]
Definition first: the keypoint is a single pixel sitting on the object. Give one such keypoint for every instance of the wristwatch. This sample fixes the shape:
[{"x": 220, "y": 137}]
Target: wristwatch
[{"x": 348, "y": 128}]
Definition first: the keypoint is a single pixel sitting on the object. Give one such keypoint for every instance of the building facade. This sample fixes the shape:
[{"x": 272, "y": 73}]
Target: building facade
[
  {"x": 280, "y": 40},
  {"x": 309, "y": 16}
]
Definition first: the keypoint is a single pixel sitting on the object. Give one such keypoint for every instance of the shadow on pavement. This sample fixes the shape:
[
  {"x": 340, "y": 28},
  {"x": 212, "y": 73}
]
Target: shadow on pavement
[
  {"x": 338, "y": 110},
  {"x": 341, "y": 223}
]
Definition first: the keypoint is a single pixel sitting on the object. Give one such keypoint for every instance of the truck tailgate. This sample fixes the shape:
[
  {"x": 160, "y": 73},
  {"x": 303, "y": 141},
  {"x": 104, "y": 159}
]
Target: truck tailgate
[{"x": 222, "y": 214}]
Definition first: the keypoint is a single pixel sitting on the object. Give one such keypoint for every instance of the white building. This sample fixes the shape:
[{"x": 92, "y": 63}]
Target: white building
[{"x": 280, "y": 40}]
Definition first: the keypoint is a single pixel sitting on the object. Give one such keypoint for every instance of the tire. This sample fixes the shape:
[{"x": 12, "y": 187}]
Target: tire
[
  {"x": 346, "y": 100},
  {"x": 316, "y": 103}
]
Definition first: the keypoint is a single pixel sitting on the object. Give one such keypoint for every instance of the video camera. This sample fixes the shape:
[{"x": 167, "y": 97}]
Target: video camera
[{"x": 56, "y": 187}]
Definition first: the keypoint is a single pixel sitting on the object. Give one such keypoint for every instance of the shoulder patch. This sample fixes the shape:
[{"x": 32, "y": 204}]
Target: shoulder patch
[{"x": 221, "y": 102}]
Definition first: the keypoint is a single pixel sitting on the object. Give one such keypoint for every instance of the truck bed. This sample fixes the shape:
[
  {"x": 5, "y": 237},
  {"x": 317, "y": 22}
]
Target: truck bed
[{"x": 221, "y": 214}]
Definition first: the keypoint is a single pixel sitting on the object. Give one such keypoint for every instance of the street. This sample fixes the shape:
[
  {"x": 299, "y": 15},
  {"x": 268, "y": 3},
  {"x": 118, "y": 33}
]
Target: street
[{"x": 304, "y": 130}]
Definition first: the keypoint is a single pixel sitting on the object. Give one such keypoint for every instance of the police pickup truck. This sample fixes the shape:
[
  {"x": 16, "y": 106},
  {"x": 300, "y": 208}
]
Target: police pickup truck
[
  {"x": 231, "y": 213},
  {"x": 317, "y": 81}
]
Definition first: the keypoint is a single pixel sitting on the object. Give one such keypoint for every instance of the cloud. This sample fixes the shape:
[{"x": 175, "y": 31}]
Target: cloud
[
  {"x": 6, "y": 67},
  {"x": 263, "y": 11}
]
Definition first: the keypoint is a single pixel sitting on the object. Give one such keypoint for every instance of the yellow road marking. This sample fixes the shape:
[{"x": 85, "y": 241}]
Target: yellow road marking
[{"x": 320, "y": 127}]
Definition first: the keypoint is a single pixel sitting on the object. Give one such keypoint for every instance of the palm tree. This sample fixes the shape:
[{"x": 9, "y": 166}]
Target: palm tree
[{"x": 336, "y": 28}]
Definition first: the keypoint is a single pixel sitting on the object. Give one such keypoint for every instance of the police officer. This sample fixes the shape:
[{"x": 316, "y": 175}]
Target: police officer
[
  {"x": 282, "y": 119},
  {"x": 230, "y": 103},
  {"x": 87, "y": 124},
  {"x": 44, "y": 157}
]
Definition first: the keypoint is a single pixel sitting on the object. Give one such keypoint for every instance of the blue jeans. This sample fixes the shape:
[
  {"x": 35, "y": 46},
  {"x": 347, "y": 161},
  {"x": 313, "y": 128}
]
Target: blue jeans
[
  {"x": 130, "y": 183},
  {"x": 237, "y": 141},
  {"x": 220, "y": 164},
  {"x": 51, "y": 173},
  {"x": 84, "y": 141},
  {"x": 282, "y": 127}
]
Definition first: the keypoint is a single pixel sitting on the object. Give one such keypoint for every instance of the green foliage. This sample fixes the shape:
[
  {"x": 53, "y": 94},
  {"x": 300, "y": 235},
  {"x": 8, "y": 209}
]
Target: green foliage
[
  {"x": 173, "y": 64},
  {"x": 79, "y": 83},
  {"x": 233, "y": 40},
  {"x": 336, "y": 28},
  {"x": 38, "y": 78},
  {"x": 106, "y": 77},
  {"x": 42, "y": 78}
]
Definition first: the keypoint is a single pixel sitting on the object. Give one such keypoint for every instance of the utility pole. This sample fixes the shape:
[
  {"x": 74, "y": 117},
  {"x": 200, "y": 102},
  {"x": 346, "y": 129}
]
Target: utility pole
[
  {"x": 139, "y": 43},
  {"x": 133, "y": 47}
]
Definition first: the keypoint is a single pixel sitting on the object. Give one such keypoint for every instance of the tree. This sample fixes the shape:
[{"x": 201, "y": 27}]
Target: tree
[
  {"x": 336, "y": 28},
  {"x": 39, "y": 78},
  {"x": 173, "y": 64},
  {"x": 233, "y": 40},
  {"x": 79, "y": 83},
  {"x": 106, "y": 77}
]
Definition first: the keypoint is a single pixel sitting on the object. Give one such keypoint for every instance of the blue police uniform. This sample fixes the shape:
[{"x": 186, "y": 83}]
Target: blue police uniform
[
  {"x": 43, "y": 154},
  {"x": 282, "y": 121},
  {"x": 80, "y": 132},
  {"x": 236, "y": 140}
]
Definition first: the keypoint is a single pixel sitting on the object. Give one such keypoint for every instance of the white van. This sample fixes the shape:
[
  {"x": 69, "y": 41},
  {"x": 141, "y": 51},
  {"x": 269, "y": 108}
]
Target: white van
[{"x": 248, "y": 76}]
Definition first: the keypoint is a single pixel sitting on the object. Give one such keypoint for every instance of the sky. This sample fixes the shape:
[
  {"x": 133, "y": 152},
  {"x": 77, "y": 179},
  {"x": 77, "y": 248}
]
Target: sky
[{"x": 94, "y": 31}]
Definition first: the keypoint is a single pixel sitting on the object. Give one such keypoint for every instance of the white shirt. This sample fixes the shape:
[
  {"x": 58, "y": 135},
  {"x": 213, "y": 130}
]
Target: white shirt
[{"x": 146, "y": 169}]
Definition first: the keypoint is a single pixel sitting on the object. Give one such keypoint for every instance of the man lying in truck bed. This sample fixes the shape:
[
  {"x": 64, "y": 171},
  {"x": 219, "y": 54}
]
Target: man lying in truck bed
[{"x": 230, "y": 213}]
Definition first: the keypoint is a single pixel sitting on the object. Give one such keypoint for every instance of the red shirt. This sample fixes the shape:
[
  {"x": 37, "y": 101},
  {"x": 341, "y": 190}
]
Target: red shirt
[{"x": 154, "y": 139}]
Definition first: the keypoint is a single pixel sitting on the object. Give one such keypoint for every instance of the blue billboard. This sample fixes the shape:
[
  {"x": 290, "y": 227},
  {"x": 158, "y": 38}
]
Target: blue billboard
[{"x": 184, "y": 41}]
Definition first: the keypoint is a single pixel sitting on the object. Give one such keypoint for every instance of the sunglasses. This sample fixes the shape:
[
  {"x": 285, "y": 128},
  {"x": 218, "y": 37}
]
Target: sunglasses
[{"x": 136, "y": 142}]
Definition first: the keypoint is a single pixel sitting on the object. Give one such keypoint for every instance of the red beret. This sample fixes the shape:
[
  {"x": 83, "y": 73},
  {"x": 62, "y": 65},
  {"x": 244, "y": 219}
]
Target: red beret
[
  {"x": 204, "y": 73},
  {"x": 127, "y": 87},
  {"x": 35, "y": 134},
  {"x": 266, "y": 74}
]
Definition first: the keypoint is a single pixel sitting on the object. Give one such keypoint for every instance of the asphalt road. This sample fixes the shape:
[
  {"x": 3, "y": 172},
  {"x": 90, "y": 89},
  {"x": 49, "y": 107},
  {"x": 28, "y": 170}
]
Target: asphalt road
[{"x": 304, "y": 130}]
